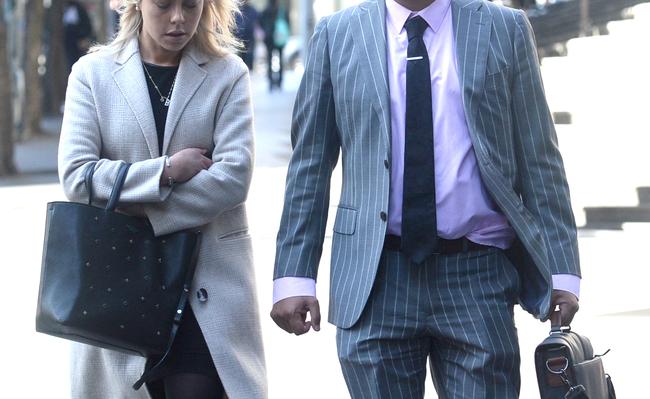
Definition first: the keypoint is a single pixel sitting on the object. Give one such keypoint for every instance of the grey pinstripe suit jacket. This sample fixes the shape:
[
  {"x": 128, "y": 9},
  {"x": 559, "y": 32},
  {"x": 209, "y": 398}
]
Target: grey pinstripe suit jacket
[{"x": 343, "y": 106}]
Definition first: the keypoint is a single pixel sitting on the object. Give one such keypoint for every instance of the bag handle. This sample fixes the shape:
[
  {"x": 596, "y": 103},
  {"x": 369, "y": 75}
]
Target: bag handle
[
  {"x": 556, "y": 323},
  {"x": 560, "y": 329},
  {"x": 88, "y": 180},
  {"x": 117, "y": 187}
]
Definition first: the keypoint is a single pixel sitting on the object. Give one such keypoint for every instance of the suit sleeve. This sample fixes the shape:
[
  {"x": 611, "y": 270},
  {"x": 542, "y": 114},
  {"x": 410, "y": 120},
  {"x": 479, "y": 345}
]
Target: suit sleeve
[
  {"x": 544, "y": 188},
  {"x": 225, "y": 184},
  {"x": 315, "y": 142},
  {"x": 81, "y": 144}
]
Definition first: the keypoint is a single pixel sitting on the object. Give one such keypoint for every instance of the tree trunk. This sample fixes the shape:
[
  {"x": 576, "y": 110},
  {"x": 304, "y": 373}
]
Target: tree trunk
[
  {"x": 57, "y": 70},
  {"x": 102, "y": 20},
  {"x": 33, "y": 82},
  {"x": 6, "y": 117},
  {"x": 585, "y": 24}
]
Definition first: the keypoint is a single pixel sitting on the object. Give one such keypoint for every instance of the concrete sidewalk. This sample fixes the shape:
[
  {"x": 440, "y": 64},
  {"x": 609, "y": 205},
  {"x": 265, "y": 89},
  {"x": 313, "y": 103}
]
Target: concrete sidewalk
[{"x": 35, "y": 159}]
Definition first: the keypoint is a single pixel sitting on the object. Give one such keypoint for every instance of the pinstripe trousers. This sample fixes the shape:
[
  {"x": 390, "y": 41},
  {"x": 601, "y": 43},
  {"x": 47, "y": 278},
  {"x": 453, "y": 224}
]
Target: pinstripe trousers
[{"x": 455, "y": 310}]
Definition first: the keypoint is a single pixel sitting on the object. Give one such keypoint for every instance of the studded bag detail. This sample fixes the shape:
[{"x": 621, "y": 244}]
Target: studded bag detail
[{"x": 108, "y": 281}]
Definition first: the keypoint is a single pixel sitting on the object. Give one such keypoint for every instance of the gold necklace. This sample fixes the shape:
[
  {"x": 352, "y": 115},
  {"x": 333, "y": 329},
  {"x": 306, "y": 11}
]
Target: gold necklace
[{"x": 163, "y": 99}]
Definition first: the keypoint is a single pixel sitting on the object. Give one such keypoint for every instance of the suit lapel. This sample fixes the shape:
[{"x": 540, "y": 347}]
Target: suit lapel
[
  {"x": 130, "y": 78},
  {"x": 189, "y": 79},
  {"x": 369, "y": 32},
  {"x": 472, "y": 27}
]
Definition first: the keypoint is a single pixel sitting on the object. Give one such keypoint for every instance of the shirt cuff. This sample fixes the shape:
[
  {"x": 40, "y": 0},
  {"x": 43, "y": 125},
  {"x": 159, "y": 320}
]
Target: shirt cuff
[
  {"x": 567, "y": 282},
  {"x": 286, "y": 287}
]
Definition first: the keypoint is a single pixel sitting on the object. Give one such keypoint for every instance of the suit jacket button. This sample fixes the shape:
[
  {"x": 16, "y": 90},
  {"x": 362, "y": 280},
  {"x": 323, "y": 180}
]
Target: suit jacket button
[
  {"x": 386, "y": 164},
  {"x": 382, "y": 215},
  {"x": 202, "y": 294}
]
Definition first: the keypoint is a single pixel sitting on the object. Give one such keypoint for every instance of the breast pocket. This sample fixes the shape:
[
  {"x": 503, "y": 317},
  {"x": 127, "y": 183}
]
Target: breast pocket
[
  {"x": 496, "y": 92},
  {"x": 496, "y": 119},
  {"x": 346, "y": 220},
  {"x": 499, "y": 79}
]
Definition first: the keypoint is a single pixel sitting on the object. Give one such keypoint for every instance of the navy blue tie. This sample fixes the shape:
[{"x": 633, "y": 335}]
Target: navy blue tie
[{"x": 419, "y": 230}]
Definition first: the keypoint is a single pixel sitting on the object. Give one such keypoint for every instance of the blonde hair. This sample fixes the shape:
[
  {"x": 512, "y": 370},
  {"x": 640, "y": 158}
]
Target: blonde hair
[{"x": 214, "y": 34}]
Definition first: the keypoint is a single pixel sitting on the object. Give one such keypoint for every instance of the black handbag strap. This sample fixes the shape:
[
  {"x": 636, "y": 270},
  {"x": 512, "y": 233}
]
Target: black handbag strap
[
  {"x": 117, "y": 187},
  {"x": 90, "y": 170},
  {"x": 153, "y": 373}
]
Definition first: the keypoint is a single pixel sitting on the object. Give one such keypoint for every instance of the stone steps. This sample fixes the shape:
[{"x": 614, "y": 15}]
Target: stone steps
[
  {"x": 613, "y": 217},
  {"x": 555, "y": 24}
]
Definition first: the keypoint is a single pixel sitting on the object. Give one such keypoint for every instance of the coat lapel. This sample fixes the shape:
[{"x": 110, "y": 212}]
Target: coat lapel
[
  {"x": 472, "y": 27},
  {"x": 189, "y": 79},
  {"x": 130, "y": 78},
  {"x": 369, "y": 32}
]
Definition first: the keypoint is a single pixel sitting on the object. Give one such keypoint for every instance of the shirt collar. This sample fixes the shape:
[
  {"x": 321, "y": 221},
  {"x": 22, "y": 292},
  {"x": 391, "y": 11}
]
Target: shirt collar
[{"x": 433, "y": 14}]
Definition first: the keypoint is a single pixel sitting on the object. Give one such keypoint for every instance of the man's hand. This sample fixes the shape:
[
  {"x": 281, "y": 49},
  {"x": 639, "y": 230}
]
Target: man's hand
[
  {"x": 568, "y": 304},
  {"x": 291, "y": 314}
]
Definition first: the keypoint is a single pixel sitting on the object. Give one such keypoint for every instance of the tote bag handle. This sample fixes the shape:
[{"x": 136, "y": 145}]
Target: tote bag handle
[{"x": 117, "y": 186}]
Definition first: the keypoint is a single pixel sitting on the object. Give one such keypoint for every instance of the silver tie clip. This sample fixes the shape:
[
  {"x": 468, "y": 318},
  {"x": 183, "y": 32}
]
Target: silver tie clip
[{"x": 419, "y": 57}]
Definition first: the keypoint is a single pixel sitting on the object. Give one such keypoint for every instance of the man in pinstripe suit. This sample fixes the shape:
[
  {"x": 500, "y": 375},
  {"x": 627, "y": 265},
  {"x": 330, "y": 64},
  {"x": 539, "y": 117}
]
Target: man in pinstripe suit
[{"x": 501, "y": 231}]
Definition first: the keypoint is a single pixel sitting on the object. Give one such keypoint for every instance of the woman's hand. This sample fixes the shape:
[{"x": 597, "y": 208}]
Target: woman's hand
[{"x": 185, "y": 164}]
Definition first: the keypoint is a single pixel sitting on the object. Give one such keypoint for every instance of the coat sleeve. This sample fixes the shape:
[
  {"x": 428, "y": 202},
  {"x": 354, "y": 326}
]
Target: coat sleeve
[
  {"x": 225, "y": 184},
  {"x": 316, "y": 147},
  {"x": 544, "y": 187},
  {"x": 81, "y": 144}
]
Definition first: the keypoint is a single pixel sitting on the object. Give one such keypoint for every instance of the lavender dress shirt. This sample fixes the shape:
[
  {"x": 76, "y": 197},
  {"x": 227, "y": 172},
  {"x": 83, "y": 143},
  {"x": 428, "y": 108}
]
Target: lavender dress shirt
[{"x": 463, "y": 206}]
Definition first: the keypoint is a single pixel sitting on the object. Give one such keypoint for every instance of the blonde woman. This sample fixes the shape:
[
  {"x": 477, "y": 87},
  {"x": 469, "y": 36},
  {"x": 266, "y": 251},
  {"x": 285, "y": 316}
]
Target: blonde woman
[{"x": 169, "y": 97}]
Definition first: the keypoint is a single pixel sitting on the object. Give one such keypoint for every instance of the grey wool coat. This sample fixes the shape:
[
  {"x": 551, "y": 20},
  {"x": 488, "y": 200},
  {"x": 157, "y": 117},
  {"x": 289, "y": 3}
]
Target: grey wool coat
[{"x": 108, "y": 120}]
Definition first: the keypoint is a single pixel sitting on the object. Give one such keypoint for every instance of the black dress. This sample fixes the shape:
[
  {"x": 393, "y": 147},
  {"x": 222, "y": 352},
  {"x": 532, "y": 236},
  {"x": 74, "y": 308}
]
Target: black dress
[{"x": 189, "y": 352}]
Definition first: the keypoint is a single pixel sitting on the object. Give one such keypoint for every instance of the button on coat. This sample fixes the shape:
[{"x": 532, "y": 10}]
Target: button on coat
[{"x": 202, "y": 294}]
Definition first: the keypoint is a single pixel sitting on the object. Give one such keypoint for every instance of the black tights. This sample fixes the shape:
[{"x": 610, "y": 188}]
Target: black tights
[
  {"x": 187, "y": 385},
  {"x": 191, "y": 385}
]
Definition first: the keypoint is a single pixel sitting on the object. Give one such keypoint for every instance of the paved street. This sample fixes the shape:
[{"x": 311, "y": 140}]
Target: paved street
[{"x": 615, "y": 305}]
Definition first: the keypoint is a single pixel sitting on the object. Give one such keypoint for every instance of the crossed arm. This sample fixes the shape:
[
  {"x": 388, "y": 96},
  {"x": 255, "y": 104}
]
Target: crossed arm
[{"x": 208, "y": 186}]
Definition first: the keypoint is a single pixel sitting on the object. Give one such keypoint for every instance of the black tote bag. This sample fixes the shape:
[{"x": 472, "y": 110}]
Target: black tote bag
[{"x": 107, "y": 281}]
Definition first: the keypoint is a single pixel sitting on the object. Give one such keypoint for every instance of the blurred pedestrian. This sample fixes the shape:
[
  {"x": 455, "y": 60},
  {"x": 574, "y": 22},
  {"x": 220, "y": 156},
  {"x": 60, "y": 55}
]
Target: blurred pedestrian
[
  {"x": 455, "y": 204},
  {"x": 77, "y": 31},
  {"x": 169, "y": 96},
  {"x": 275, "y": 23},
  {"x": 245, "y": 32},
  {"x": 115, "y": 6}
]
